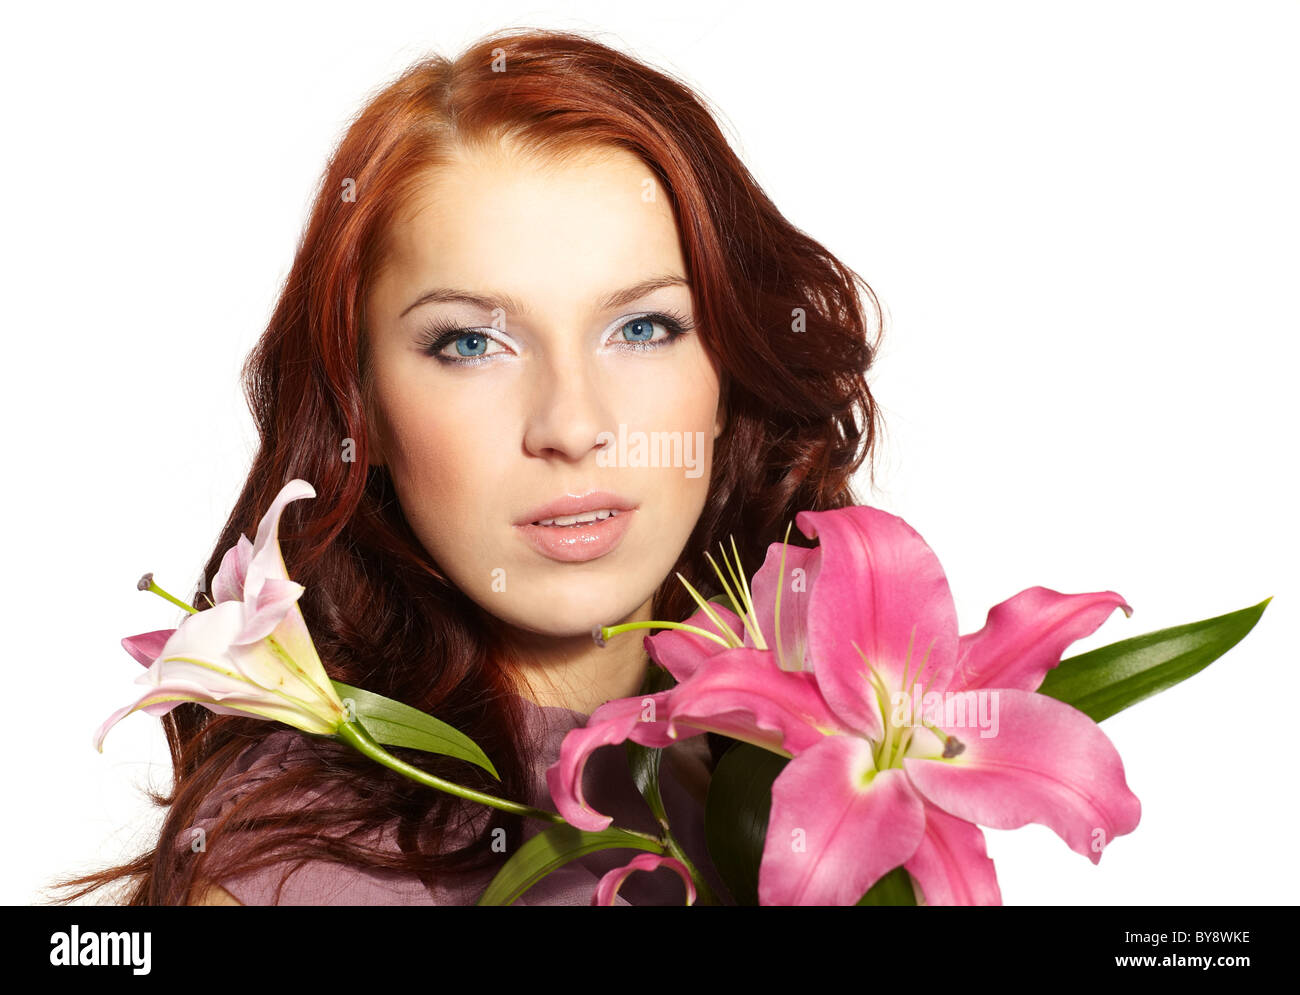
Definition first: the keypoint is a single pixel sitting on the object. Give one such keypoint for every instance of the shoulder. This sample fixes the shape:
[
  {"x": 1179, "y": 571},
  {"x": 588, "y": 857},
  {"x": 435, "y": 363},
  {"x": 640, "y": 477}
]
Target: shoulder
[
  {"x": 261, "y": 761},
  {"x": 211, "y": 894},
  {"x": 220, "y": 831}
]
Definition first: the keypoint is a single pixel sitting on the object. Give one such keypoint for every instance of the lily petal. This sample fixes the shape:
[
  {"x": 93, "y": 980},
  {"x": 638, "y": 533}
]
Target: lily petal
[
  {"x": 147, "y": 646},
  {"x": 744, "y": 694},
  {"x": 228, "y": 585},
  {"x": 613, "y": 722},
  {"x": 952, "y": 865},
  {"x": 880, "y": 586},
  {"x": 608, "y": 886},
  {"x": 268, "y": 608},
  {"x": 681, "y": 653},
  {"x": 271, "y": 597},
  {"x": 111, "y": 721},
  {"x": 208, "y": 641},
  {"x": 1047, "y": 763},
  {"x": 1023, "y": 637},
  {"x": 836, "y": 829},
  {"x": 266, "y": 562},
  {"x": 294, "y": 639},
  {"x": 801, "y": 568},
  {"x": 161, "y": 698},
  {"x": 204, "y": 650}
]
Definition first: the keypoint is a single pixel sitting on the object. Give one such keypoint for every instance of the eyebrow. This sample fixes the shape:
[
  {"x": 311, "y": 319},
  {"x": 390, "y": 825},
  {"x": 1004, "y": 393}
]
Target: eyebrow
[{"x": 512, "y": 305}]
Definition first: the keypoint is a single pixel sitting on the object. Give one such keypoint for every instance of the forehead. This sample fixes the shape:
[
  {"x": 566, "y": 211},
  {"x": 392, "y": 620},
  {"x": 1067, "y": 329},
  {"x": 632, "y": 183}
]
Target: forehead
[{"x": 549, "y": 230}]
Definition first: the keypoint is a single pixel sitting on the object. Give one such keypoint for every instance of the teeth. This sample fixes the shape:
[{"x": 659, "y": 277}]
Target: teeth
[{"x": 584, "y": 518}]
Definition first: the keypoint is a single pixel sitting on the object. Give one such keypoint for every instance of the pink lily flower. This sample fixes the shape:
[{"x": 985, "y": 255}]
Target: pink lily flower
[
  {"x": 613, "y": 722},
  {"x": 608, "y": 885},
  {"x": 250, "y": 653},
  {"x": 905, "y": 737}
]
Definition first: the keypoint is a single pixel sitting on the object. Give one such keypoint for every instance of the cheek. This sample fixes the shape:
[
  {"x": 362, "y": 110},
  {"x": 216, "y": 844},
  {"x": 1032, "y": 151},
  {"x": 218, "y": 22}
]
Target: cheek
[
  {"x": 678, "y": 400},
  {"x": 442, "y": 459},
  {"x": 679, "y": 395}
]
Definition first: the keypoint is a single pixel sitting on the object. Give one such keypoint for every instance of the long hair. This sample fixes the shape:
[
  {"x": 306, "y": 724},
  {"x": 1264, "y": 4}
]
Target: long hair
[{"x": 783, "y": 317}]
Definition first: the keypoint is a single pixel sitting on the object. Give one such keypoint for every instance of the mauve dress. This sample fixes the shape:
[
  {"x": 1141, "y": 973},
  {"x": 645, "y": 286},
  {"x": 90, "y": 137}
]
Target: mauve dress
[{"x": 684, "y": 773}]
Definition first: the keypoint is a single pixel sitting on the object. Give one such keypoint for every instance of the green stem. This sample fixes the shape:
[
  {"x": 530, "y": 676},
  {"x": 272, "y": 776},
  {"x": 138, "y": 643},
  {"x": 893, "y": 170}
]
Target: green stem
[
  {"x": 704, "y": 894},
  {"x": 356, "y": 736}
]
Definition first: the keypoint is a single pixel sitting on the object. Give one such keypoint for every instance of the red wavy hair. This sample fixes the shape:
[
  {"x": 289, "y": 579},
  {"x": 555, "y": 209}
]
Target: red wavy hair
[{"x": 801, "y": 420}]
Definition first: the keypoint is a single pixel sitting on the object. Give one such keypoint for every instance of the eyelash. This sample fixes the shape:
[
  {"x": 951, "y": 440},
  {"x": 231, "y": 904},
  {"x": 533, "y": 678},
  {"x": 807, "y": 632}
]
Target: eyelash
[{"x": 442, "y": 333}]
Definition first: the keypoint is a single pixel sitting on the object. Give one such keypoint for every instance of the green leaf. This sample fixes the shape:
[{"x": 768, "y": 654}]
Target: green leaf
[
  {"x": 736, "y": 814},
  {"x": 553, "y": 848},
  {"x": 1107, "y": 680},
  {"x": 395, "y": 724},
  {"x": 643, "y": 761},
  {"x": 895, "y": 888}
]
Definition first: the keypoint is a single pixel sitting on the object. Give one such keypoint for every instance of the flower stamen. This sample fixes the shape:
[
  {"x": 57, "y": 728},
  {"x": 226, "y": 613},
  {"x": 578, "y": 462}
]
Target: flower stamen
[
  {"x": 907, "y": 739},
  {"x": 744, "y": 608},
  {"x": 882, "y": 703},
  {"x": 776, "y": 613},
  {"x": 601, "y": 633},
  {"x": 743, "y": 583},
  {"x": 147, "y": 583},
  {"x": 734, "y": 641}
]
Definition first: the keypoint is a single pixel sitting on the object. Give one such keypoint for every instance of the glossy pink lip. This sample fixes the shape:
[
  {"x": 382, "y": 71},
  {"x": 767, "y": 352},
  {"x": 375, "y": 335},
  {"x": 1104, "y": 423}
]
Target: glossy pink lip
[
  {"x": 578, "y": 543},
  {"x": 576, "y": 504}
]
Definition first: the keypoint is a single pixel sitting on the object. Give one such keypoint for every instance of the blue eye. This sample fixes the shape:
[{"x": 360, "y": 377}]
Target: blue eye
[
  {"x": 472, "y": 344},
  {"x": 475, "y": 339},
  {"x": 645, "y": 329}
]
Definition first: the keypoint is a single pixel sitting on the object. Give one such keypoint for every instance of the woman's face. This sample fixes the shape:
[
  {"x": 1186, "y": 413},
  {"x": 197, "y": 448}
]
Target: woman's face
[{"x": 553, "y": 378}]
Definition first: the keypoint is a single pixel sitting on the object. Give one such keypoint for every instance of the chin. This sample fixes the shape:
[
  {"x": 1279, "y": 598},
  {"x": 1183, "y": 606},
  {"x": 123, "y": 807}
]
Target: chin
[{"x": 566, "y": 613}]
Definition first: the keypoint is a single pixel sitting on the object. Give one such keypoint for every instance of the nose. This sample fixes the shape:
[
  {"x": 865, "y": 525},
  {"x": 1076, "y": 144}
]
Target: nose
[{"x": 567, "y": 409}]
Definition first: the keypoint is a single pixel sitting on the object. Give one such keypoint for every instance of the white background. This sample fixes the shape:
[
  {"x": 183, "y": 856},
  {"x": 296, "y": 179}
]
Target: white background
[{"x": 1081, "y": 217}]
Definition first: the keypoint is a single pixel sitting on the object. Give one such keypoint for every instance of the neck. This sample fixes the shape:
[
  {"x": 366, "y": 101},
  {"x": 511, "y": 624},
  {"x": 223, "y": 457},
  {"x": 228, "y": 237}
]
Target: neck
[{"x": 573, "y": 672}]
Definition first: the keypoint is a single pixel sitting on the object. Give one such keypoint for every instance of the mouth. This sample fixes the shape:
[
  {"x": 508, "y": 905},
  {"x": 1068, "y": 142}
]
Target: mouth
[
  {"x": 578, "y": 529},
  {"x": 575, "y": 510},
  {"x": 579, "y": 541},
  {"x": 586, "y": 518}
]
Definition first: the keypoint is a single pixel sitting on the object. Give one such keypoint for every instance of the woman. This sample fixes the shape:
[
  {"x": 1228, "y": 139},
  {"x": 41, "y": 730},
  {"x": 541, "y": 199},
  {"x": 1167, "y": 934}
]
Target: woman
[{"x": 528, "y": 273}]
